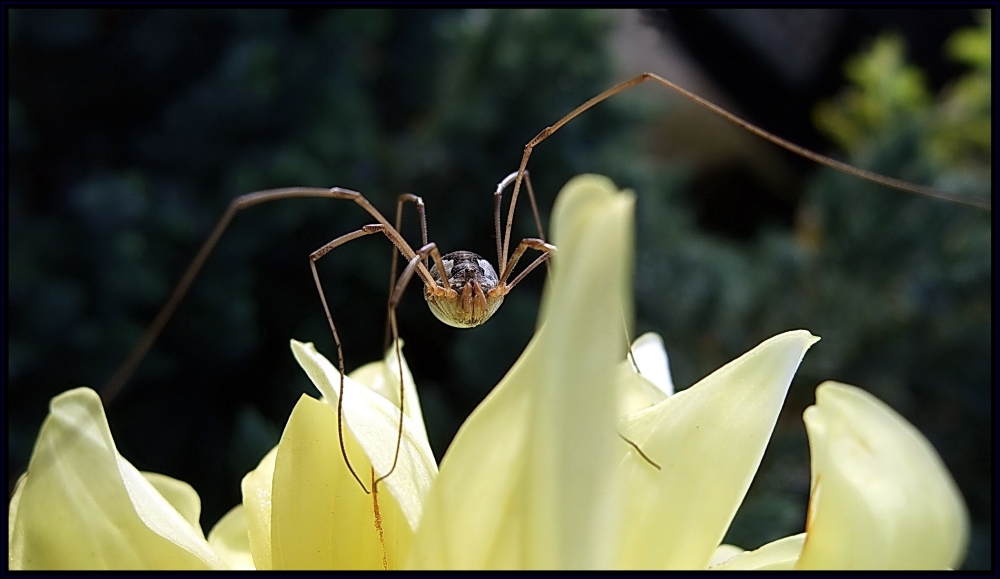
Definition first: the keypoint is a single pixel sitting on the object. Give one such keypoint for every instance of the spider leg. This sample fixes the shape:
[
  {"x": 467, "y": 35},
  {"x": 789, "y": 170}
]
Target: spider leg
[
  {"x": 526, "y": 244},
  {"x": 497, "y": 196},
  {"x": 400, "y": 201},
  {"x": 639, "y": 450},
  {"x": 788, "y": 145},
  {"x": 496, "y": 213},
  {"x": 313, "y": 258},
  {"x": 538, "y": 261},
  {"x": 139, "y": 351},
  {"x": 397, "y": 294}
]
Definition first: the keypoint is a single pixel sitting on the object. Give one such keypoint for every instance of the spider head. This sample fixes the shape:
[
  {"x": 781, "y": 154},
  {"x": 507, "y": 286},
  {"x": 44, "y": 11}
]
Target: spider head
[{"x": 475, "y": 293}]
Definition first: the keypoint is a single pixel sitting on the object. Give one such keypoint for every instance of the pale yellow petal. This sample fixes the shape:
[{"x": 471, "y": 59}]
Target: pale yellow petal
[
  {"x": 779, "y": 555},
  {"x": 180, "y": 495},
  {"x": 320, "y": 517},
  {"x": 15, "y": 547},
  {"x": 644, "y": 379},
  {"x": 573, "y": 453},
  {"x": 372, "y": 376},
  {"x": 229, "y": 539},
  {"x": 83, "y": 506},
  {"x": 635, "y": 392},
  {"x": 383, "y": 377},
  {"x": 651, "y": 358},
  {"x": 708, "y": 441},
  {"x": 723, "y": 553},
  {"x": 298, "y": 500},
  {"x": 471, "y": 515},
  {"x": 527, "y": 481},
  {"x": 881, "y": 496},
  {"x": 256, "y": 487},
  {"x": 374, "y": 421}
]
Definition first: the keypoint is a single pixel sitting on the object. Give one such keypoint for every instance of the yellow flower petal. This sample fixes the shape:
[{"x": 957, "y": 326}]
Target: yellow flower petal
[
  {"x": 708, "y": 440},
  {"x": 635, "y": 392},
  {"x": 652, "y": 383},
  {"x": 320, "y": 517},
  {"x": 373, "y": 421},
  {"x": 229, "y": 539},
  {"x": 256, "y": 488},
  {"x": 180, "y": 495},
  {"x": 779, "y": 555},
  {"x": 881, "y": 497},
  {"x": 383, "y": 377},
  {"x": 312, "y": 466},
  {"x": 82, "y": 506},
  {"x": 15, "y": 548},
  {"x": 306, "y": 510},
  {"x": 651, "y": 358},
  {"x": 723, "y": 553},
  {"x": 470, "y": 515},
  {"x": 527, "y": 481}
]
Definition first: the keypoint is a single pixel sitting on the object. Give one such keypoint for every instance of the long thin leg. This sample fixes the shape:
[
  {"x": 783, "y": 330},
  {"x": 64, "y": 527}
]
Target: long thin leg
[
  {"x": 497, "y": 196},
  {"x": 526, "y": 244},
  {"x": 313, "y": 258},
  {"x": 400, "y": 201},
  {"x": 397, "y": 294},
  {"x": 628, "y": 344},
  {"x": 394, "y": 298},
  {"x": 538, "y": 261},
  {"x": 639, "y": 450},
  {"x": 419, "y": 203},
  {"x": 815, "y": 157},
  {"x": 534, "y": 211},
  {"x": 631, "y": 356},
  {"x": 142, "y": 347}
]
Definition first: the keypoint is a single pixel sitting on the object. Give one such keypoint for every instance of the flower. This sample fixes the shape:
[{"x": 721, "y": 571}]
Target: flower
[
  {"x": 80, "y": 505},
  {"x": 547, "y": 472},
  {"x": 304, "y": 508},
  {"x": 575, "y": 460}
]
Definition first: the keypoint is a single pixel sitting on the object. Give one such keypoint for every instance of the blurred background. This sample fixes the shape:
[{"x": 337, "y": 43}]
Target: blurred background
[{"x": 129, "y": 131}]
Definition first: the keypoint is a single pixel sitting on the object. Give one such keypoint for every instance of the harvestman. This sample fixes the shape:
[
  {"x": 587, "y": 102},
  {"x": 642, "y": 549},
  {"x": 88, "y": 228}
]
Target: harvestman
[{"x": 461, "y": 288}]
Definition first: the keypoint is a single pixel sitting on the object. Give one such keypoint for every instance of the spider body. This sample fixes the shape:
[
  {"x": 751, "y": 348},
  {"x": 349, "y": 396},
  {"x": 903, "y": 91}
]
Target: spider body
[{"x": 476, "y": 285}]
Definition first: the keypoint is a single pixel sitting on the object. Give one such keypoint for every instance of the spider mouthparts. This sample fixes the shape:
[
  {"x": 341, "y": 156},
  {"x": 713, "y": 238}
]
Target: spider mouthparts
[
  {"x": 468, "y": 307},
  {"x": 474, "y": 292},
  {"x": 473, "y": 298}
]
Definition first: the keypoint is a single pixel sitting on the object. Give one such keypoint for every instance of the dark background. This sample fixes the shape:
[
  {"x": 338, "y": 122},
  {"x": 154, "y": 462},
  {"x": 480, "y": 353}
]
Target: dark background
[{"x": 129, "y": 131}]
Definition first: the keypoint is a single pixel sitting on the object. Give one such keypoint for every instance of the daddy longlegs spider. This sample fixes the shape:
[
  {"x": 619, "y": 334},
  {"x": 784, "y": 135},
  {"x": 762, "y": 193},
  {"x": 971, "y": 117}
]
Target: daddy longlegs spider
[
  {"x": 467, "y": 293},
  {"x": 461, "y": 288}
]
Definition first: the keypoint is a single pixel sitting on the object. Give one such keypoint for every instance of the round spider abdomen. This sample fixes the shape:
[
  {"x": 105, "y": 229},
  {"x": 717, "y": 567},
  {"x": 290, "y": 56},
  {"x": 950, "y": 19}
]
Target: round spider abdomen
[{"x": 476, "y": 296}]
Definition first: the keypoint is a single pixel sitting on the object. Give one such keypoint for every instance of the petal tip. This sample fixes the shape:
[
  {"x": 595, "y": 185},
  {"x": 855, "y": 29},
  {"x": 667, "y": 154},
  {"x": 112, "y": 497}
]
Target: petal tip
[
  {"x": 807, "y": 338},
  {"x": 85, "y": 393},
  {"x": 297, "y": 344}
]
